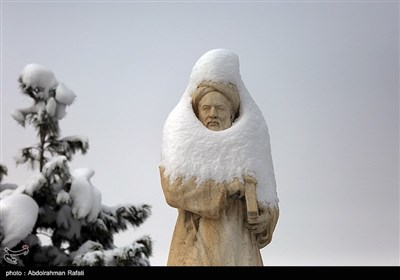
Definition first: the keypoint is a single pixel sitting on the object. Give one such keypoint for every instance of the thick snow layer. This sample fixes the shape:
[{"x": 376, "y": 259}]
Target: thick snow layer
[
  {"x": 51, "y": 106},
  {"x": 64, "y": 95},
  {"x": 5, "y": 193},
  {"x": 54, "y": 96},
  {"x": 86, "y": 199},
  {"x": 18, "y": 217},
  {"x": 34, "y": 183},
  {"x": 60, "y": 161},
  {"x": 18, "y": 116},
  {"x": 38, "y": 76},
  {"x": 60, "y": 111},
  {"x": 63, "y": 197},
  {"x": 189, "y": 149}
]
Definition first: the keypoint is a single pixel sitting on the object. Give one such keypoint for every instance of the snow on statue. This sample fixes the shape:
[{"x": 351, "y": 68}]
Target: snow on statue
[{"x": 216, "y": 169}]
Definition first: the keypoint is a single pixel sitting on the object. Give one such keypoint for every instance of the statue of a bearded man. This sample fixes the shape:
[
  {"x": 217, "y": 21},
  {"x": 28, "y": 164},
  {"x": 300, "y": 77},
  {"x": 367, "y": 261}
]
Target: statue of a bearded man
[{"x": 217, "y": 170}]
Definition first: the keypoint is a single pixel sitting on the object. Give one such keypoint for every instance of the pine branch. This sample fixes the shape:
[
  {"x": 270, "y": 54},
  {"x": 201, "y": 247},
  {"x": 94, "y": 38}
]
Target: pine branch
[
  {"x": 119, "y": 217},
  {"x": 68, "y": 146},
  {"x": 29, "y": 155},
  {"x": 67, "y": 229},
  {"x": 147, "y": 246},
  {"x": 136, "y": 254},
  {"x": 113, "y": 220},
  {"x": 45, "y": 186},
  {"x": 57, "y": 170},
  {"x": 96, "y": 232},
  {"x": 50, "y": 188},
  {"x": 40, "y": 119}
]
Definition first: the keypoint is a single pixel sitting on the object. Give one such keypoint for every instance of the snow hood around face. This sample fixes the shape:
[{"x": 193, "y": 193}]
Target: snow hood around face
[{"x": 189, "y": 149}]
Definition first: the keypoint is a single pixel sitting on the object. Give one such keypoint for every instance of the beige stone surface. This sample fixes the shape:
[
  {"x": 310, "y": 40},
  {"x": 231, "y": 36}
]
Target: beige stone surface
[{"x": 212, "y": 227}]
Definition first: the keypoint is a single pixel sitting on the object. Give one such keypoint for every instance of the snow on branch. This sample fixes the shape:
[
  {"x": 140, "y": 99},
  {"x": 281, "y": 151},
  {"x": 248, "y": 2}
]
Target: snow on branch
[
  {"x": 63, "y": 197},
  {"x": 117, "y": 218},
  {"x": 86, "y": 198},
  {"x": 136, "y": 254},
  {"x": 34, "y": 184},
  {"x": 37, "y": 81},
  {"x": 65, "y": 206},
  {"x": 68, "y": 146},
  {"x": 18, "y": 217},
  {"x": 56, "y": 163},
  {"x": 28, "y": 155},
  {"x": 56, "y": 166},
  {"x": 41, "y": 85},
  {"x": 20, "y": 115}
]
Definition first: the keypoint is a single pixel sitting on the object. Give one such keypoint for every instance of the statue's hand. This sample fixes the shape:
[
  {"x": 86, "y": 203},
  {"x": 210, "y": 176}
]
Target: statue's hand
[
  {"x": 259, "y": 224},
  {"x": 236, "y": 189}
]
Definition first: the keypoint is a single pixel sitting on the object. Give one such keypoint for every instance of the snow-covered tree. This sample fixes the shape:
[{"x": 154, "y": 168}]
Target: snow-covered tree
[{"x": 63, "y": 205}]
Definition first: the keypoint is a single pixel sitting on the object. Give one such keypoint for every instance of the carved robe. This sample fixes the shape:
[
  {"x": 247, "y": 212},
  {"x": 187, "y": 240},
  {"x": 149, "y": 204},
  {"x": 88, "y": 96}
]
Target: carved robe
[{"x": 210, "y": 228}]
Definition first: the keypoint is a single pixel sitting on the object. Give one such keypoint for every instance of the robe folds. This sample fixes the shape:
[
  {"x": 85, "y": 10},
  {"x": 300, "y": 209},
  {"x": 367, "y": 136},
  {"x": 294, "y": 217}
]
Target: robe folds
[{"x": 210, "y": 228}]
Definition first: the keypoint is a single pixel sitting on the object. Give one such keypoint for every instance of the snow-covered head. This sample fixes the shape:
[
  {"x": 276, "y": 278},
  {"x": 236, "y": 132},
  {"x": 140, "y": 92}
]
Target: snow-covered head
[{"x": 190, "y": 150}]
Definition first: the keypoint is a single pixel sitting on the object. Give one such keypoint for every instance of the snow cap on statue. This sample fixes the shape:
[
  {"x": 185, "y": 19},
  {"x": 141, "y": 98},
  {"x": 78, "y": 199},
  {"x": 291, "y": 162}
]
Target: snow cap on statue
[
  {"x": 190, "y": 150},
  {"x": 222, "y": 66}
]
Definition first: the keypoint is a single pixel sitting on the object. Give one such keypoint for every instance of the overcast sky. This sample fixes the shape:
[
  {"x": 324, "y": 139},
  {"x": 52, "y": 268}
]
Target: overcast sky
[{"x": 324, "y": 74}]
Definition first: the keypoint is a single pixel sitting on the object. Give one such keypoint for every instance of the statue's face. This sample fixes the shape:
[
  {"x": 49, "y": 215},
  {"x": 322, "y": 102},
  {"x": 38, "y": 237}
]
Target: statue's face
[{"x": 215, "y": 111}]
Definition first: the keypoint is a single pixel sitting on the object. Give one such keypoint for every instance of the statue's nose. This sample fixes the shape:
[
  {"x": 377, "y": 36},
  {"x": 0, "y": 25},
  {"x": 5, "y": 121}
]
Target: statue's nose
[{"x": 213, "y": 112}]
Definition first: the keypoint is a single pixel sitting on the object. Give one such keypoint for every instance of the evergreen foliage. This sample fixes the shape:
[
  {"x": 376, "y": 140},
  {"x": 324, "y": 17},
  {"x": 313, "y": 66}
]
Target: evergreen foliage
[{"x": 81, "y": 233}]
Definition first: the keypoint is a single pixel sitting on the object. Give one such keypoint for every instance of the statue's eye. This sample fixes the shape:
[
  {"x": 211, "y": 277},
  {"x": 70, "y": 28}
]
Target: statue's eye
[{"x": 36, "y": 90}]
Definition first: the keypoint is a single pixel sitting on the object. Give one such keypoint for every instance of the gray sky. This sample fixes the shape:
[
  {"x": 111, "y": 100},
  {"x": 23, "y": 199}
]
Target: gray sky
[{"x": 324, "y": 74}]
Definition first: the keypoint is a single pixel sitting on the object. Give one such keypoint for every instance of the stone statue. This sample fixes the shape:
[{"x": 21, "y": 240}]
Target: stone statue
[{"x": 217, "y": 170}]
